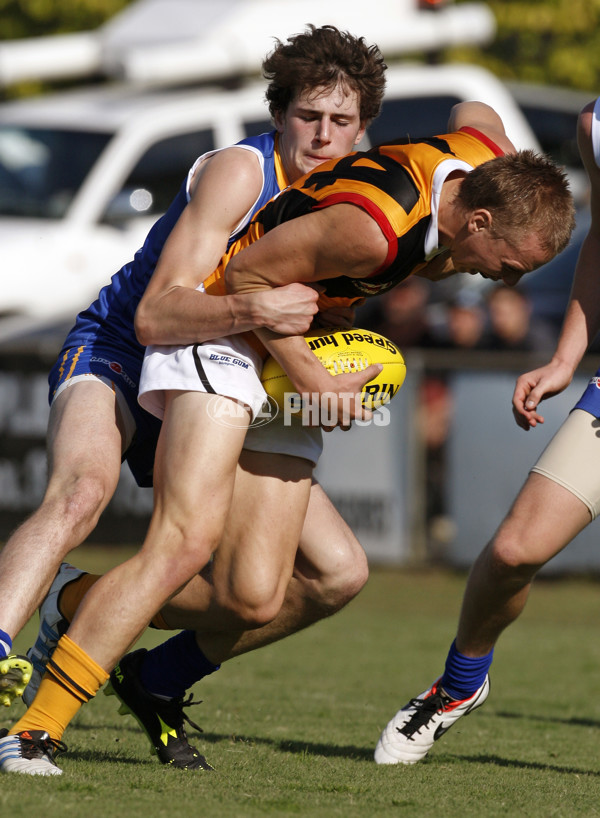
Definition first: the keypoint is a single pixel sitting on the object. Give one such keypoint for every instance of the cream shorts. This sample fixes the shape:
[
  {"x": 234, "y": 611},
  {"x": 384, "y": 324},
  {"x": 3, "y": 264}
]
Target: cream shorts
[
  {"x": 227, "y": 367},
  {"x": 572, "y": 458}
]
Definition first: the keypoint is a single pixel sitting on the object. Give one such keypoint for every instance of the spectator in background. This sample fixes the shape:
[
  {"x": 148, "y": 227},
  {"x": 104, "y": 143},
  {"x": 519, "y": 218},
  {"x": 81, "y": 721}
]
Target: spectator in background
[
  {"x": 466, "y": 321},
  {"x": 434, "y": 420},
  {"x": 402, "y": 314},
  {"x": 466, "y": 318},
  {"x": 460, "y": 324},
  {"x": 408, "y": 316},
  {"x": 513, "y": 325}
]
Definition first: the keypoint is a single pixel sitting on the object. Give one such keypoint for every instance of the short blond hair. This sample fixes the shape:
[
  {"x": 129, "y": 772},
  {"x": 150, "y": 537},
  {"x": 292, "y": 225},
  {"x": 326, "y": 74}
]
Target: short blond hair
[{"x": 525, "y": 192}]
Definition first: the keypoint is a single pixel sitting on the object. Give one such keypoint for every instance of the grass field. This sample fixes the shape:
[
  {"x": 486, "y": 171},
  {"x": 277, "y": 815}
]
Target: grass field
[{"x": 291, "y": 729}]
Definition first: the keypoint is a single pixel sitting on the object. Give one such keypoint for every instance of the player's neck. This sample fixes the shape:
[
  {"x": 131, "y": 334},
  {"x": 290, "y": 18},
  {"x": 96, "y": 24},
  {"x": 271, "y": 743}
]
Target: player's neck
[{"x": 449, "y": 214}]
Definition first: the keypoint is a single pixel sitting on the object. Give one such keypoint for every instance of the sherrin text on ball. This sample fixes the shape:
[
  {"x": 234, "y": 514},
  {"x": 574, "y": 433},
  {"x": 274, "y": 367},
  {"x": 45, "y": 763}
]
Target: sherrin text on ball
[{"x": 342, "y": 350}]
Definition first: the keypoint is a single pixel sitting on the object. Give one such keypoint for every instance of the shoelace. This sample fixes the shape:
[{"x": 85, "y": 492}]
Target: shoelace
[
  {"x": 185, "y": 751},
  {"x": 424, "y": 710},
  {"x": 175, "y": 716},
  {"x": 38, "y": 747}
]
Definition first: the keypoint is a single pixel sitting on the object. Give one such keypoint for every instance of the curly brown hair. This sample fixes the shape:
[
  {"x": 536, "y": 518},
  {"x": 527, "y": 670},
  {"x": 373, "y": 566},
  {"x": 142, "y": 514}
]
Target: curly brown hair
[
  {"x": 524, "y": 192},
  {"x": 322, "y": 58}
]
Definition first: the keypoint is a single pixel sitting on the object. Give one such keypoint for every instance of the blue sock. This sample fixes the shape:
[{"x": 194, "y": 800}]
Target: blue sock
[
  {"x": 464, "y": 675},
  {"x": 5, "y": 644},
  {"x": 173, "y": 667}
]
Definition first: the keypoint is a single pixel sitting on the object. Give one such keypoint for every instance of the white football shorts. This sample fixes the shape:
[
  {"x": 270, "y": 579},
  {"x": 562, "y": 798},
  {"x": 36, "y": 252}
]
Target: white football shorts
[
  {"x": 572, "y": 456},
  {"x": 231, "y": 368}
]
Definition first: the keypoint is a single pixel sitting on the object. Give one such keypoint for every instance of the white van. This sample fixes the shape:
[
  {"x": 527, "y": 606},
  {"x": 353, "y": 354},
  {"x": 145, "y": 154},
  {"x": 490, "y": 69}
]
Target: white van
[{"x": 84, "y": 174}]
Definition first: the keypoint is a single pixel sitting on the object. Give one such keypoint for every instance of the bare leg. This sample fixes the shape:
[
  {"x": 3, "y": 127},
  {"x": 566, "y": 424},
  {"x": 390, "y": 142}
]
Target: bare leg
[
  {"x": 194, "y": 475},
  {"x": 329, "y": 570},
  {"x": 84, "y": 461},
  {"x": 254, "y": 562},
  {"x": 543, "y": 520}
]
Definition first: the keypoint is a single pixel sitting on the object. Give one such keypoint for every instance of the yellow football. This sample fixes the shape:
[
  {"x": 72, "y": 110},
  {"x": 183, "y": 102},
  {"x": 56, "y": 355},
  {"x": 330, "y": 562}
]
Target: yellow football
[{"x": 342, "y": 350}]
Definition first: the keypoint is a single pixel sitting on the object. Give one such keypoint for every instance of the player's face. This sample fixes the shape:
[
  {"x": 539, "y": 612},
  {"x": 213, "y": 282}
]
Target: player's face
[
  {"x": 319, "y": 124},
  {"x": 496, "y": 258}
]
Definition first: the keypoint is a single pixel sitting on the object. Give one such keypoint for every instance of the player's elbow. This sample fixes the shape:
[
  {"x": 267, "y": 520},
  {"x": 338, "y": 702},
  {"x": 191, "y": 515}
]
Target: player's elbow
[
  {"x": 143, "y": 325},
  {"x": 232, "y": 276},
  {"x": 239, "y": 278}
]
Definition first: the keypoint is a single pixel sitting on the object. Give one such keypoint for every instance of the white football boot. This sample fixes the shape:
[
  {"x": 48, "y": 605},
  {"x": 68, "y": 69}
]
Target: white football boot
[
  {"x": 410, "y": 735},
  {"x": 52, "y": 626},
  {"x": 29, "y": 753}
]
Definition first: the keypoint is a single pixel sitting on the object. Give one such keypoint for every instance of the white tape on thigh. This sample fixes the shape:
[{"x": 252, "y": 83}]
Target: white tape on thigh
[{"x": 572, "y": 458}]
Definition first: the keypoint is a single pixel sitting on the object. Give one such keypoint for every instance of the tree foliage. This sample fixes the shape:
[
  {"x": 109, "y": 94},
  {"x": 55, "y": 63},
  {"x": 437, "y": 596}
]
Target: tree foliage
[
  {"x": 34, "y": 18},
  {"x": 553, "y": 42}
]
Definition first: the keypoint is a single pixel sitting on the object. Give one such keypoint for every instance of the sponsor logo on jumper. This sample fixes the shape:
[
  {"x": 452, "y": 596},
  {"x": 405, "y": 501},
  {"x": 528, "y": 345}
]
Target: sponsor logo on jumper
[
  {"x": 596, "y": 381},
  {"x": 370, "y": 289}
]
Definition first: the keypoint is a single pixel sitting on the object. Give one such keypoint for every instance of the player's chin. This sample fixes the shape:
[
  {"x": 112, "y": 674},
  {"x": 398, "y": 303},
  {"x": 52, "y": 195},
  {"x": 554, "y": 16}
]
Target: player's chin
[{"x": 312, "y": 162}]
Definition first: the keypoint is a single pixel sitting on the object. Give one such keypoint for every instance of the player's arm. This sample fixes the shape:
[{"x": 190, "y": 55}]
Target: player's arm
[
  {"x": 171, "y": 311},
  {"x": 582, "y": 316},
  {"x": 482, "y": 117},
  {"x": 338, "y": 240}
]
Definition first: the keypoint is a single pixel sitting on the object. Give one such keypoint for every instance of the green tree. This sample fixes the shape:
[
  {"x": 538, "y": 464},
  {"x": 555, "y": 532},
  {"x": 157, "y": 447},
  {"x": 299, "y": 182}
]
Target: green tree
[
  {"x": 34, "y": 18},
  {"x": 554, "y": 42},
  {"x": 20, "y": 19}
]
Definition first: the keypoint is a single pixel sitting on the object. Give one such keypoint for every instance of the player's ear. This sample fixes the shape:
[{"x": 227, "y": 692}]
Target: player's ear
[
  {"x": 361, "y": 132},
  {"x": 480, "y": 219},
  {"x": 279, "y": 121}
]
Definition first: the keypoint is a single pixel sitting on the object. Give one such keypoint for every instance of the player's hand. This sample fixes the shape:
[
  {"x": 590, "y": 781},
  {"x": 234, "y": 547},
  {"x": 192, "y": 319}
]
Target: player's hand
[
  {"x": 287, "y": 310},
  {"x": 341, "y": 399},
  {"x": 534, "y": 387}
]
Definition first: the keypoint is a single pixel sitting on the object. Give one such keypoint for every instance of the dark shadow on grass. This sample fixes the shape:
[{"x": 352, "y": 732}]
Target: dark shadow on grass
[
  {"x": 102, "y": 755},
  {"x": 352, "y": 752},
  {"x": 498, "y": 761},
  {"x": 284, "y": 745},
  {"x": 288, "y": 746},
  {"x": 576, "y": 722}
]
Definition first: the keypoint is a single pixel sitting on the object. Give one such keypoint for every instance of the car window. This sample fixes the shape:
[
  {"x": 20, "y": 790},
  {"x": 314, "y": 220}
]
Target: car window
[
  {"x": 157, "y": 177},
  {"x": 257, "y": 127},
  {"x": 556, "y": 131},
  {"x": 41, "y": 169},
  {"x": 411, "y": 116}
]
